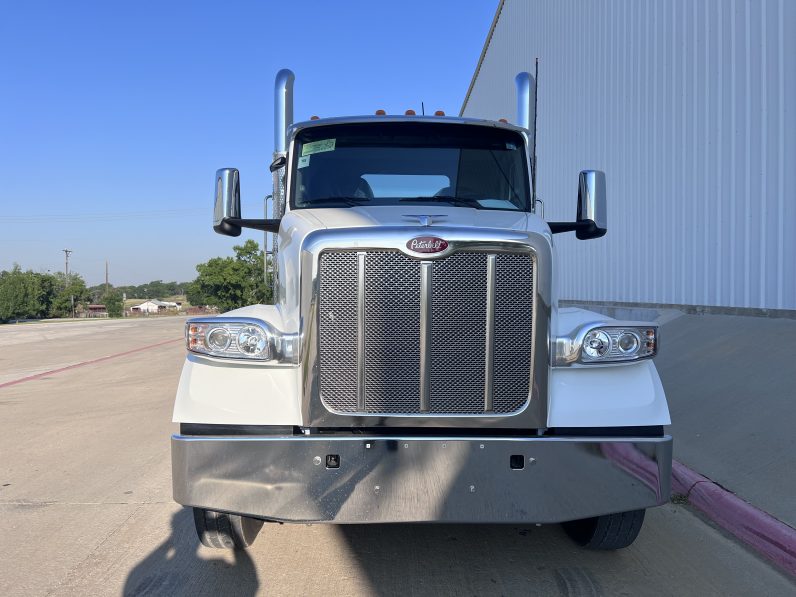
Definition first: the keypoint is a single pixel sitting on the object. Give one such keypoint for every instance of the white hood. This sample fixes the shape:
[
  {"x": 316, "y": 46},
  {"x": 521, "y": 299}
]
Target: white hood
[{"x": 409, "y": 215}]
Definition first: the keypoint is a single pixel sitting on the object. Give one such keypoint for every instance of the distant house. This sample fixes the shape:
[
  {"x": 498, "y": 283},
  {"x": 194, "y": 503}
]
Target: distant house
[
  {"x": 96, "y": 311},
  {"x": 155, "y": 306}
]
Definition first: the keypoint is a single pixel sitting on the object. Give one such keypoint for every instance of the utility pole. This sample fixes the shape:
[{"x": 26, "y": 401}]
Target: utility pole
[
  {"x": 106, "y": 276},
  {"x": 67, "y": 253}
]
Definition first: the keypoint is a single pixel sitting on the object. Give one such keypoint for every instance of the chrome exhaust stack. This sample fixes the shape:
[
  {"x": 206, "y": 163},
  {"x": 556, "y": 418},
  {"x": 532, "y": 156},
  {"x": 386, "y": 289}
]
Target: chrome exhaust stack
[
  {"x": 526, "y": 118},
  {"x": 526, "y": 100},
  {"x": 283, "y": 118},
  {"x": 283, "y": 108}
]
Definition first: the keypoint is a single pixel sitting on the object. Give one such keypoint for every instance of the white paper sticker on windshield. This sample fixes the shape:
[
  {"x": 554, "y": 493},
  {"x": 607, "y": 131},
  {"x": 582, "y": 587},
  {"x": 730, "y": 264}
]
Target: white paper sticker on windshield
[
  {"x": 304, "y": 161},
  {"x": 317, "y": 146}
]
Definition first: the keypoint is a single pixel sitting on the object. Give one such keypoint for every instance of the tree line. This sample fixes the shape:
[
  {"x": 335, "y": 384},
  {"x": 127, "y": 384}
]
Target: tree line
[
  {"x": 222, "y": 282},
  {"x": 36, "y": 295},
  {"x": 154, "y": 289}
]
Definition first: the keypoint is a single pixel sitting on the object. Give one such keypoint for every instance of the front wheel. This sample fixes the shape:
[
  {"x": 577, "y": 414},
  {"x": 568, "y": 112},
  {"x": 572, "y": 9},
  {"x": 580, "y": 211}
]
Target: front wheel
[
  {"x": 610, "y": 531},
  {"x": 225, "y": 531}
]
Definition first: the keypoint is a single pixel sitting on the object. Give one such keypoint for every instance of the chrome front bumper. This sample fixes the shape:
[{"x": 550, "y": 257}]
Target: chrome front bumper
[{"x": 421, "y": 479}]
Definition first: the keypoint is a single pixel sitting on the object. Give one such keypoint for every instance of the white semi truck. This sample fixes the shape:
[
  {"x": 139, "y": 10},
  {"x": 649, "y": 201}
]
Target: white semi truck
[{"x": 415, "y": 365}]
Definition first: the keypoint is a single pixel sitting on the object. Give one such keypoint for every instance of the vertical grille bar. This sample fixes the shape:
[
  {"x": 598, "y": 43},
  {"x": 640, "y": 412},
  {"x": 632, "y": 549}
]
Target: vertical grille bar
[
  {"x": 361, "y": 330},
  {"x": 489, "y": 350},
  {"x": 426, "y": 269}
]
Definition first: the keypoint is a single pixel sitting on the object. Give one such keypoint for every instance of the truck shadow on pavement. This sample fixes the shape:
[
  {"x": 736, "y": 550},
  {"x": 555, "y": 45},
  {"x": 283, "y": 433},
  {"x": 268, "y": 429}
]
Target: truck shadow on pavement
[
  {"x": 474, "y": 559},
  {"x": 171, "y": 568}
]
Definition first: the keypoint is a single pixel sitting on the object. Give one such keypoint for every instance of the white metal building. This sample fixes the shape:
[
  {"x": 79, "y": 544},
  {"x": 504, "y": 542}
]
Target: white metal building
[{"x": 690, "y": 108}]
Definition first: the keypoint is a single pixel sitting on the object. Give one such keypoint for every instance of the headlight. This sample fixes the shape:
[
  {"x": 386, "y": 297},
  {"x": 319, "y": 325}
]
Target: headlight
[
  {"x": 596, "y": 344},
  {"x": 228, "y": 339},
  {"x": 600, "y": 344},
  {"x": 240, "y": 338}
]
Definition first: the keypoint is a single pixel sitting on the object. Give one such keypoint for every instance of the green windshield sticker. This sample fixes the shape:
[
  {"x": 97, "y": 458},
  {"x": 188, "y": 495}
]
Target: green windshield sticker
[
  {"x": 304, "y": 161},
  {"x": 317, "y": 147}
]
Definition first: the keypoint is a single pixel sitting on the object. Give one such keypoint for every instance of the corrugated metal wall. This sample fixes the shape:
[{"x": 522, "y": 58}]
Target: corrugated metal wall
[{"x": 689, "y": 107}]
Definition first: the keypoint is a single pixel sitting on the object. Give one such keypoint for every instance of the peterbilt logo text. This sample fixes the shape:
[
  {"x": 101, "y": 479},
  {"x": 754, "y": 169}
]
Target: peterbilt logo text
[{"x": 427, "y": 244}]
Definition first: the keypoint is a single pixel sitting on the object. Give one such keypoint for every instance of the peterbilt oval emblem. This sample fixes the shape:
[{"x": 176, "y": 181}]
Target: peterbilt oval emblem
[{"x": 426, "y": 244}]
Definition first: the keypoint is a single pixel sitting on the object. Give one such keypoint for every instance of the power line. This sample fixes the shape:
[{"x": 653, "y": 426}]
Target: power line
[{"x": 100, "y": 216}]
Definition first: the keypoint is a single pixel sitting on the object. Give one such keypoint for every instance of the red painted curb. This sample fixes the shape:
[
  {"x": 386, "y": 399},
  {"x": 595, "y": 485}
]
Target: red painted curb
[
  {"x": 773, "y": 539},
  {"x": 84, "y": 363}
]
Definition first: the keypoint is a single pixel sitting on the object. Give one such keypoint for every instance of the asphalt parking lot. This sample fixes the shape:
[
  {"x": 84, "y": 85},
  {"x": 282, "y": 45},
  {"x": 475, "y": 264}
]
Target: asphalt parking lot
[{"x": 85, "y": 500}]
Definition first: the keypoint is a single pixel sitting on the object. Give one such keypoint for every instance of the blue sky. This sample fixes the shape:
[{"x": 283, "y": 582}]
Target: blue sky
[{"x": 114, "y": 116}]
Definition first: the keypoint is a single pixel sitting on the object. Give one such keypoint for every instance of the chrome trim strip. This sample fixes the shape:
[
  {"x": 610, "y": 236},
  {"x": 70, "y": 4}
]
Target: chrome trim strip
[
  {"x": 361, "y": 330},
  {"x": 426, "y": 292},
  {"x": 489, "y": 353}
]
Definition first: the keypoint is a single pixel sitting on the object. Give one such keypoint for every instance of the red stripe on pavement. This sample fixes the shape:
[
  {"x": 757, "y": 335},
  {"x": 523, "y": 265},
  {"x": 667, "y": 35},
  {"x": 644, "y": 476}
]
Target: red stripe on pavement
[
  {"x": 771, "y": 538},
  {"x": 84, "y": 363}
]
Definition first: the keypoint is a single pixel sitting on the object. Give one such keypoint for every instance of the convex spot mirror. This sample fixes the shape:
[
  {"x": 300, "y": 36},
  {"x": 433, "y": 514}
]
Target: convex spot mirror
[{"x": 277, "y": 163}]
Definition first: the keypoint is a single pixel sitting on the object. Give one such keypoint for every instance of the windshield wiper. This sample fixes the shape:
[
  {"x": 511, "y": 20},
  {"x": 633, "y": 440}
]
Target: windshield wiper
[
  {"x": 352, "y": 201},
  {"x": 458, "y": 201}
]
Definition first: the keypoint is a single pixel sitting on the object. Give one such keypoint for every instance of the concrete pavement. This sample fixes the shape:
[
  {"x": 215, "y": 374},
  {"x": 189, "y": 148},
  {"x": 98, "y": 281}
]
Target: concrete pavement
[
  {"x": 731, "y": 385},
  {"x": 85, "y": 498}
]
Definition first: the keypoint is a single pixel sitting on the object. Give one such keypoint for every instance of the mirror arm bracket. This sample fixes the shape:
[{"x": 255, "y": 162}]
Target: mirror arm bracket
[
  {"x": 585, "y": 228},
  {"x": 269, "y": 225},
  {"x": 558, "y": 227}
]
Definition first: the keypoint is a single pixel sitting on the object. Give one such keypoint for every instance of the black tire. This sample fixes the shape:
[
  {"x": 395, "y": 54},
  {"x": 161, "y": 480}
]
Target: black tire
[
  {"x": 611, "y": 531},
  {"x": 225, "y": 531}
]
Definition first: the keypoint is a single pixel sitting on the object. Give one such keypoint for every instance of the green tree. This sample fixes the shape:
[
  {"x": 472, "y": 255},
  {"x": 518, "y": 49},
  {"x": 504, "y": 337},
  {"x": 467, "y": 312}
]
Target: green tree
[
  {"x": 47, "y": 290},
  {"x": 18, "y": 294},
  {"x": 25, "y": 295},
  {"x": 113, "y": 303},
  {"x": 231, "y": 282},
  {"x": 73, "y": 286}
]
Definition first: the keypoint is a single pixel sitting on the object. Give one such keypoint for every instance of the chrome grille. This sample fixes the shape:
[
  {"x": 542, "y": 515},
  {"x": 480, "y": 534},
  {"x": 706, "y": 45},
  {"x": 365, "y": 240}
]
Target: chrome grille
[{"x": 477, "y": 344}]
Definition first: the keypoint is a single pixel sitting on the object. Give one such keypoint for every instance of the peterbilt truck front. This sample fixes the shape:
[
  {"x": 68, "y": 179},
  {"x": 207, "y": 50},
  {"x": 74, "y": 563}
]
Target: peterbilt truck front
[{"x": 415, "y": 365}]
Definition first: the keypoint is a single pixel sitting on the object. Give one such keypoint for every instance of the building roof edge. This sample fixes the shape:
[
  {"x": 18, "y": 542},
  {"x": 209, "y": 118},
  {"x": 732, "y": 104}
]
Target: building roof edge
[{"x": 483, "y": 55}]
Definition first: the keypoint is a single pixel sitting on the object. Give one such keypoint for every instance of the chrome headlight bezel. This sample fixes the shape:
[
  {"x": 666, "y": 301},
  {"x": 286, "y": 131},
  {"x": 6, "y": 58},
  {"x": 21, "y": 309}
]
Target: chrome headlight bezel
[
  {"x": 268, "y": 345},
  {"x": 643, "y": 338}
]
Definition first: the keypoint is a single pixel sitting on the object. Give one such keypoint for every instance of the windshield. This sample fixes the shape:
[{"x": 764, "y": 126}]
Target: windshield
[{"x": 405, "y": 163}]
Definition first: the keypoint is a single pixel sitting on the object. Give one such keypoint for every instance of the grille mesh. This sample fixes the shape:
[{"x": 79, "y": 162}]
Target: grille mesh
[
  {"x": 458, "y": 324},
  {"x": 513, "y": 320},
  {"x": 392, "y": 332},
  {"x": 337, "y": 330}
]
